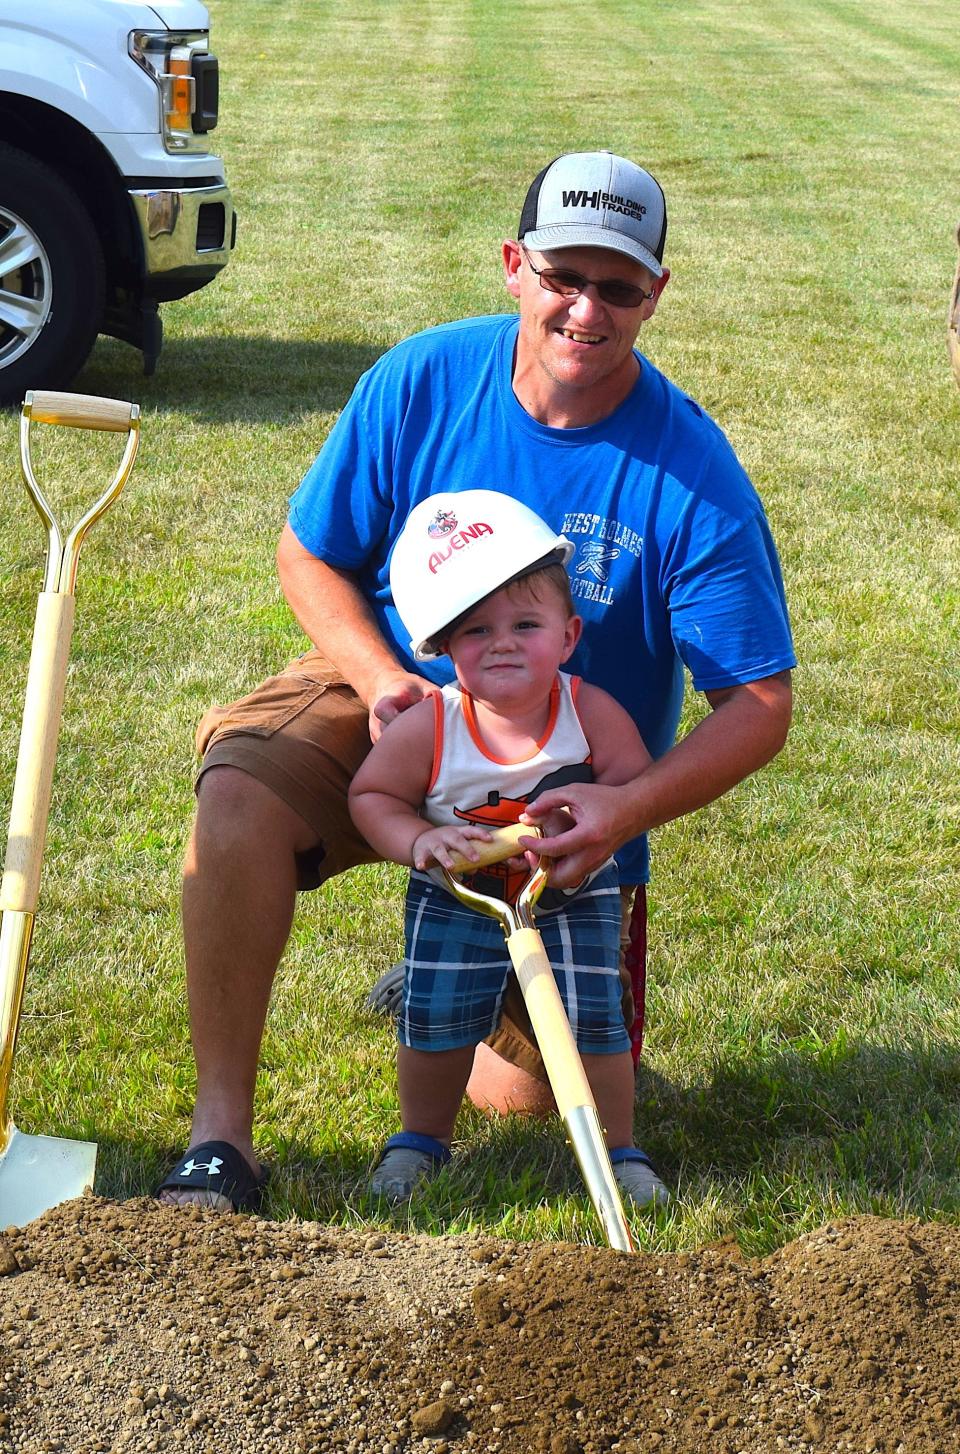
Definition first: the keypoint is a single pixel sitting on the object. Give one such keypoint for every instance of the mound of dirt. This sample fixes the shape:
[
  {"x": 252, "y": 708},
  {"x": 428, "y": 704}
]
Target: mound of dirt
[{"x": 130, "y": 1326}]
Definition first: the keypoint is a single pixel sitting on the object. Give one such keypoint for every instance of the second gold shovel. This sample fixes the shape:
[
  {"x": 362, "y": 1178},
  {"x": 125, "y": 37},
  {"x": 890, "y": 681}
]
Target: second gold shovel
[{"x": 38, "y": 1172}]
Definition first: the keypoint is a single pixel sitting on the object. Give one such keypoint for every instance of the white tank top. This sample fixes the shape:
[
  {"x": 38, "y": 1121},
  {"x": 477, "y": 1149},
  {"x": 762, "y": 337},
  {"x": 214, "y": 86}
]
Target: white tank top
[{"x": 468, "y": 784}]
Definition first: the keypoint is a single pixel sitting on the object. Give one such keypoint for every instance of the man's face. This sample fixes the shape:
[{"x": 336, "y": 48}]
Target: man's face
[{"x": 579, "y": 345}]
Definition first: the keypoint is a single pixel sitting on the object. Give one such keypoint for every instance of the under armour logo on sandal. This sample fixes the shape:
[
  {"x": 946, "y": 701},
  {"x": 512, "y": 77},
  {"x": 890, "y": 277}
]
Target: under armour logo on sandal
[{"x": 211, "y": 1167}]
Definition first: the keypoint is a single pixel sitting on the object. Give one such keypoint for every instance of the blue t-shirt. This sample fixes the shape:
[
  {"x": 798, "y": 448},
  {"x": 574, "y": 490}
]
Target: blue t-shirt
[{"x": 674, "y": 563}]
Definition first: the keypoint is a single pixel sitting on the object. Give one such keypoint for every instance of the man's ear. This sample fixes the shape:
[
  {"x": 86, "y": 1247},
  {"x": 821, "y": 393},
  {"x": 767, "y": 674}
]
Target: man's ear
[
  {"x": 512, "y": 258},
  {"x": 658, "y": 286},
  {"x": 572, "y": 635}
]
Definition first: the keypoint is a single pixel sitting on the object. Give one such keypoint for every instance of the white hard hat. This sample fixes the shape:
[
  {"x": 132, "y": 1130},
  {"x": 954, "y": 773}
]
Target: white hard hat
[{"x": 454, "y": 549}]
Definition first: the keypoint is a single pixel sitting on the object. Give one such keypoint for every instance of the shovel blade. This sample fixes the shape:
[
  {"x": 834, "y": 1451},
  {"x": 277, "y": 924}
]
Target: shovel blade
[{"x": 40, "y": 1172}]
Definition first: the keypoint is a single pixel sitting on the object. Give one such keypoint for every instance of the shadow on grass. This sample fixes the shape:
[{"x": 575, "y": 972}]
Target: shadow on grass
[
  {"x": 834, "y": 1130},
  {"x": 884, "y": 1116},
  {"x": 232, "y": 378},
  {"x": 508, "y": 1165}
]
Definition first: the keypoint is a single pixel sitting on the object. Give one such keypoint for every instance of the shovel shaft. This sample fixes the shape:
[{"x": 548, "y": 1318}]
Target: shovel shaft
[
  {"x": 15, "y": 932},
  {"x": 29, "y": 811},
  {"x": 561, "y": 1057},
  {"x": 555, "y": 1040},
  {"x": 568, "y": 1081},
  {"x": 38, "y": 748},
  {"x": 593, "y": 1158}
]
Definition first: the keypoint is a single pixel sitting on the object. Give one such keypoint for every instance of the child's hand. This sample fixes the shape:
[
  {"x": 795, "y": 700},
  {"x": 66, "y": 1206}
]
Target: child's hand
[{"x": 447, "y": 845}]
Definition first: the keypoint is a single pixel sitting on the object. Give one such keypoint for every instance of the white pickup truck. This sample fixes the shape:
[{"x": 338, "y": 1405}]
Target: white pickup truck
[{"x": 111, "y": 200}]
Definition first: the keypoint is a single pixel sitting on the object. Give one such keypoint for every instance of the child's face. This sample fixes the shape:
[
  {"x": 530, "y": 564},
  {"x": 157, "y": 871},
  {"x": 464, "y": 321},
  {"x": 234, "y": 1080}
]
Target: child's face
[{"x": 508, "y": 649}]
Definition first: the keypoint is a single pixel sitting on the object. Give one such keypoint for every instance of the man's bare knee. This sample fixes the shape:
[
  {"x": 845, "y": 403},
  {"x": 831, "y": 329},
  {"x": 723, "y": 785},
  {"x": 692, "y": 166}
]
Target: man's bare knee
[
  {"x": 499, "y": 1088},
  {"x": 235, "y": 809}
]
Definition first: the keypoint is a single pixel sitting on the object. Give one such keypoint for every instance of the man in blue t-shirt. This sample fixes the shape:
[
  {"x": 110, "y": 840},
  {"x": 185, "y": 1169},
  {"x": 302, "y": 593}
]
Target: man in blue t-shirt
[{"x": 674, "y": 569}]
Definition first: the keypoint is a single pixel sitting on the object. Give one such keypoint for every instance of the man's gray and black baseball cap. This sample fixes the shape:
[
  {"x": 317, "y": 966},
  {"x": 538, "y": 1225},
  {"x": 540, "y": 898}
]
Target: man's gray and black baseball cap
[{"x": 596, "y": 199}]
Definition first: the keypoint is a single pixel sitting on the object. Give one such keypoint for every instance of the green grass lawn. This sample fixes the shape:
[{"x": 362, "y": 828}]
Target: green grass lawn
[{"x": 802, "y": 1053}]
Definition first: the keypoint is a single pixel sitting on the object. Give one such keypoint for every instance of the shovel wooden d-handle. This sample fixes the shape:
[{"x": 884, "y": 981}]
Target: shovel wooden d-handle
[
  {"x": 46, "y": 678},
  {"x": 561, "y": 1058}
]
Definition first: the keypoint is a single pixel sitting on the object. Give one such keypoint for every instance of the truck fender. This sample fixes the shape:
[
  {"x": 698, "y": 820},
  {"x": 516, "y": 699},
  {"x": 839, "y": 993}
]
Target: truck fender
[{"x": 103, "y": 93}]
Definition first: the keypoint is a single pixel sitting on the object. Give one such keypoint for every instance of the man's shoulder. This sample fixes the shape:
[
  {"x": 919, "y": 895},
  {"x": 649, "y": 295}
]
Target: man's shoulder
[
  {"x": 459, "y": 339},
  {"x": 686, "y": 414},
  {"x": 695, "y": 449}
]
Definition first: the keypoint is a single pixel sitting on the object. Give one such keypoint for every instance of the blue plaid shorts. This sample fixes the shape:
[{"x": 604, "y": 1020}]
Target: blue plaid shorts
[{"x": 457, "y": 964}]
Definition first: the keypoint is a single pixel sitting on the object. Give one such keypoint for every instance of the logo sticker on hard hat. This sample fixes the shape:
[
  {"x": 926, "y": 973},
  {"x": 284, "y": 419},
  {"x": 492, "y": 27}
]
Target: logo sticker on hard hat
[
  {"x": 457, "y": 542},
  {"x": 442, "y": 523}
]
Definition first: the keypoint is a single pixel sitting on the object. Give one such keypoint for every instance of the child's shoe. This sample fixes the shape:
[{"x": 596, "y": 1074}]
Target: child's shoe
[
  {"x": 634, "y": 1174},
  {"x": 407, "y": 1159}
]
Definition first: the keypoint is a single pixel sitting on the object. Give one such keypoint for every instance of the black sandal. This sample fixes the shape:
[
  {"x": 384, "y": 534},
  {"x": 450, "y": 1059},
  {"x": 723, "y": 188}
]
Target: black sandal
[{"x": 216, "y": 1166}]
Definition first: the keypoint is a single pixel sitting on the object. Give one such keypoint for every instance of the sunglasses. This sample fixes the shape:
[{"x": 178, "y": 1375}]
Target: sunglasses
[{"x": 570, "y": 284}]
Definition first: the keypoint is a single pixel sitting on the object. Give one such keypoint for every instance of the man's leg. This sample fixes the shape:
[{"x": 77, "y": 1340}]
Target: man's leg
[
  {"x": 239, "y": 893},
  {"x": 292, "y": 745}
]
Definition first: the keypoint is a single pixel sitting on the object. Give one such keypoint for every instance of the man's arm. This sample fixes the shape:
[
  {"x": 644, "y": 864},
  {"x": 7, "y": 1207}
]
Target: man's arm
[
  {"x": 746, "y": 728},
  {"x": 335, "y": 615}
]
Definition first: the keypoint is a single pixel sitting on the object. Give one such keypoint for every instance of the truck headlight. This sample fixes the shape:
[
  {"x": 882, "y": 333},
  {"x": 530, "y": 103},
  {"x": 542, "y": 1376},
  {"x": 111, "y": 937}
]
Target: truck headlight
[{"x": 188, "y": 79}]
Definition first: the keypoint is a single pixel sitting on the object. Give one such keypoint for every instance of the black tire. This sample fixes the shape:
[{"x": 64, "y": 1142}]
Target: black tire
[{"x": 50, "y": 256}]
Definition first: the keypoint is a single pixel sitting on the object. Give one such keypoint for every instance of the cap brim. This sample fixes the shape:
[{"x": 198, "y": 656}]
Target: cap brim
[{"x": 554, "y": 239}]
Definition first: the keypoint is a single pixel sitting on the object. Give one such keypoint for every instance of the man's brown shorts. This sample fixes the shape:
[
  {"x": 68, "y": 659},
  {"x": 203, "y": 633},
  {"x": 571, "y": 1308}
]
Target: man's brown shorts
[{"x": 303, "y": 734}]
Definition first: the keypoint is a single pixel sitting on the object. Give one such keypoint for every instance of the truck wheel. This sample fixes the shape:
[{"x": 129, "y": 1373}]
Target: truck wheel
[{"x": 51, "y": 278}]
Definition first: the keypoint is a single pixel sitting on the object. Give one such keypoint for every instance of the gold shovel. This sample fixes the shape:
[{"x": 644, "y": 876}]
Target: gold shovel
[
  {"x": 38, "y": 1172},
  {"x": 561, "y": 1059}
]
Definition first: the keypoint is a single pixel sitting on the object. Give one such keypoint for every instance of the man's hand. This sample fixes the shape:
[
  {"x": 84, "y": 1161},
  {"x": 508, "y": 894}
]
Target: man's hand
[
  {"x": 745, "y": 729},
  {"x": 393, "y": 693},
  {"x": 336, "y": 616},
  {"x": 599, "y": 826}
]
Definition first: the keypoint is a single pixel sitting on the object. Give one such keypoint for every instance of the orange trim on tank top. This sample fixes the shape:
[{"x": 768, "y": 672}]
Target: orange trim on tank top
[
  {"x": 437, "y": 739},
  {"x": 473, "y": 727}
]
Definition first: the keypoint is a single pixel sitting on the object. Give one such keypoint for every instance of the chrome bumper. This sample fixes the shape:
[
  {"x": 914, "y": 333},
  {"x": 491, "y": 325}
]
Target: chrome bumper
[{"x": 185, "y": 229}]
